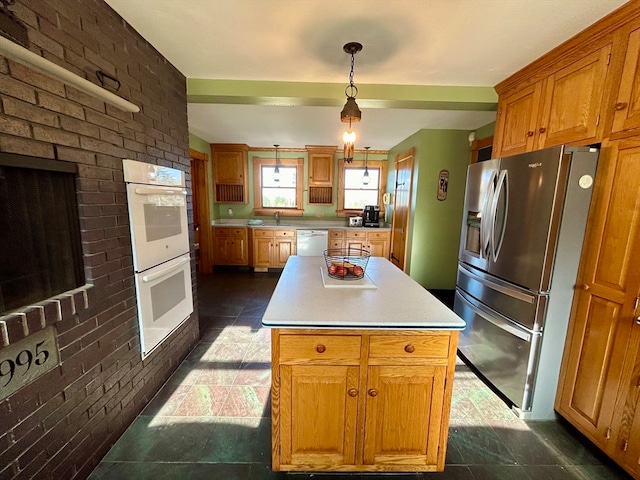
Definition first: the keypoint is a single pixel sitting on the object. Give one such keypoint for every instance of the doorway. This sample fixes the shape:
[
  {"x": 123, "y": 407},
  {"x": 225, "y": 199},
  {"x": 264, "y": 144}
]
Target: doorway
[
  {"x": 203, "y": 246},
  {"x": 401, "y": 208}
]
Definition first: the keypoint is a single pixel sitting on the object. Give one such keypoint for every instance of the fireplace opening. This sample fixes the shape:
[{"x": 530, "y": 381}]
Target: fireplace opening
[{"x": 40, "y": 244}]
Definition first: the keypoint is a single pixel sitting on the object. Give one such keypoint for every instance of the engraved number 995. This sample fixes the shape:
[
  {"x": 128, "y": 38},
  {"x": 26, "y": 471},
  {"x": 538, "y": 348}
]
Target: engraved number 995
[{"x": 24, "y": 359}]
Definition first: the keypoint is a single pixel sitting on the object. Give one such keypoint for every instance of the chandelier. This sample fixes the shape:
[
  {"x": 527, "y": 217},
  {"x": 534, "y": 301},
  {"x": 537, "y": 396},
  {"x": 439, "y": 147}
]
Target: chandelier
[{"x": 350, "y": 113}]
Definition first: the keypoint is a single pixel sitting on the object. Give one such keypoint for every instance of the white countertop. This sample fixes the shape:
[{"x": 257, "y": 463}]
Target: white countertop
[
  {"x": 399, "y": 302},
  {"x": 297, "y": 224}
]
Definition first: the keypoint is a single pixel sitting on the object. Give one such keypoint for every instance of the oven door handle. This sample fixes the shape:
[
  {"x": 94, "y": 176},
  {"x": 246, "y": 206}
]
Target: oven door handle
[
  {"x": 165, "y": 271},
  {"x": 160, "y": 191},
  {"x": 501, "y": 323}
]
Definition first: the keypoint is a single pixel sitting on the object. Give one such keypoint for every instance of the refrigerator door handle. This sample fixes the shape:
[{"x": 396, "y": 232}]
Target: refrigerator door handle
[
  {"x": 502, "y": 323},
  {"x": 486, "y": 218},
  {"x": 497, "y": 287},
  {"x": 503, "y": 184}
]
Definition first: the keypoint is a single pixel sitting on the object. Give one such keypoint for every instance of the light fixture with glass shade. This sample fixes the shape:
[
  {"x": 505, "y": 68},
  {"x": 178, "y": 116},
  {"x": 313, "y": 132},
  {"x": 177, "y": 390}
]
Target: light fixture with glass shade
[
  {"x": 350, "y": 113},
  {"x": 365, "y": 178},
  {"x": 276, "y": 171}
]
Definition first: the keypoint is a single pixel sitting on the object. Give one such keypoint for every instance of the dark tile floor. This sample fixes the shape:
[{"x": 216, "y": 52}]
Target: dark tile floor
[{"x": 211, "y": 420}]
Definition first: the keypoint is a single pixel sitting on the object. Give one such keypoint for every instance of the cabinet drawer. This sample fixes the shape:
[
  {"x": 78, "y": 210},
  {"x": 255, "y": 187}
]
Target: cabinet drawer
[
  {"x": 237, "y": 231},
  {"x": 434, "y": 346},
  {"x": 357, "y": 234},
  {"x": 336, "y": 233},
  {"x": 221, "y": 231},
  {"x": 379, "y": 235},
  {"x": 286, "y": 233},
  {"x": 262, "y": 232},
  {"x": 319, "y": 348}
]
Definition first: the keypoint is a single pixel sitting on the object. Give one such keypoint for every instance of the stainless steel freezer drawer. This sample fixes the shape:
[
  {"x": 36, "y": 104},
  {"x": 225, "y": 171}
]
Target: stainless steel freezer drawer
[{"x": 501, "y": 350}]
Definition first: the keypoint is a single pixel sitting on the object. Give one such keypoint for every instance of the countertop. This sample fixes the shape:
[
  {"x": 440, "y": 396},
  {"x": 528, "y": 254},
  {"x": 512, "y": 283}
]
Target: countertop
[
  {"x": 300, "y": 300},
  {"x": 298, "y": 224}
]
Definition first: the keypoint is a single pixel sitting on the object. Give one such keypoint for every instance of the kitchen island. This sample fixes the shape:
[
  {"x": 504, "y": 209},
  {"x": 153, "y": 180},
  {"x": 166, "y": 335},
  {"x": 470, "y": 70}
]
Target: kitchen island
[{"x": 362, "y": 371}]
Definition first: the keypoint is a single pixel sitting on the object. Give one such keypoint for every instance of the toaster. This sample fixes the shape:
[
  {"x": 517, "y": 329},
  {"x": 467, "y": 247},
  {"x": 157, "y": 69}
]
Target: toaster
[{"x": 355, "y": 221}]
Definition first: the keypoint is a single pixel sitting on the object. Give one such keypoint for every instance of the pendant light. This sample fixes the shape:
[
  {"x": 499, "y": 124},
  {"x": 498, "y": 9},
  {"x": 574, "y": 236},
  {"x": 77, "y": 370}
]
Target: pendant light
[
  {"x": 276, "y": 171},
  {"x": 365, "y": 178},
  {"x": 350, "y": 113}
]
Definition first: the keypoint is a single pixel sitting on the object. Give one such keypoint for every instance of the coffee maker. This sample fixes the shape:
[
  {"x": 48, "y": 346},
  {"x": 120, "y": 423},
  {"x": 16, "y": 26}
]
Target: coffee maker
[{"x": 371, "y": 216}]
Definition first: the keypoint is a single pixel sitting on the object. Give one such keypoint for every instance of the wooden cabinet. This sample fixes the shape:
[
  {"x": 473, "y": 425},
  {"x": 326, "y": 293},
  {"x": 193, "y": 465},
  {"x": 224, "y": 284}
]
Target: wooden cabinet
[
  {"x": 272, "y": 247},
  {"x": 230, "y": 179},
  {"x": 230, "y": 246},
  {"x": 598, "y": 354},
  {"x": 375, "y": 242},
  {"x": 563, "y": 107},
  {"x": 347, "y": 400},
  {"x": 321, "y": 174},
  {"x": 626, "y": 117},
  {"x": 336, "y": 238}
]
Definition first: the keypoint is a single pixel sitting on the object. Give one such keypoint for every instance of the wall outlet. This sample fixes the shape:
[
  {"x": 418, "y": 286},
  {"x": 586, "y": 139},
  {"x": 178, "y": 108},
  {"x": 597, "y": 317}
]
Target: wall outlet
[{"x": 230, "y": 212}]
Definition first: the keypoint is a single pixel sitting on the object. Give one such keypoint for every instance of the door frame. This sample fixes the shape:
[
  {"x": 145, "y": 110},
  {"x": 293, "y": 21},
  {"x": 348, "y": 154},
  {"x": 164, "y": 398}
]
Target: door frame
[
  {"x": 409, "y": 155},
  {"x": 200, "y": 195}
]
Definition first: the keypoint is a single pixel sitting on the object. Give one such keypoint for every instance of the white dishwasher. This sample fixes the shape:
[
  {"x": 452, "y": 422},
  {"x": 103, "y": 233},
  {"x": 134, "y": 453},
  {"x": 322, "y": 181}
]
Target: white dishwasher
[{"x": 312, "y": 242}]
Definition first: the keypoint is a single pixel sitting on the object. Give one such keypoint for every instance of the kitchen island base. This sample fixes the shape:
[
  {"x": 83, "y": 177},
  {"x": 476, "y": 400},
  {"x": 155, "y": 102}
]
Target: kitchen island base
[{"x": 357, "y": 400}]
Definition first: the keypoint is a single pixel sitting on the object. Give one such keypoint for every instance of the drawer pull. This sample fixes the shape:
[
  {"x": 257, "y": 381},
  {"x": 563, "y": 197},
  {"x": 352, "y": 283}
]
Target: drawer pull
[
  {"x": 353, "y": 392},
  {"x": 542, "y": 129},
  {"x": 529, "y": 133},
  {"x": 409, "y": 348},
  {"x": 373, "y": 392},
  {"x": 320, "y": 348},
  {"x": 620, "y": 106}
]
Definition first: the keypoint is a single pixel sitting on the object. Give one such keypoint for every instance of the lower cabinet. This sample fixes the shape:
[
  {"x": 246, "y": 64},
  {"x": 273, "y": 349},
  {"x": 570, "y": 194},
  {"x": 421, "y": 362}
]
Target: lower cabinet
[
  {"x": 272, "y": 247},
  {"x": 230, "y": 246},
  {"x": 375, "y": 242},
  {"x": 348, "y": 400}
]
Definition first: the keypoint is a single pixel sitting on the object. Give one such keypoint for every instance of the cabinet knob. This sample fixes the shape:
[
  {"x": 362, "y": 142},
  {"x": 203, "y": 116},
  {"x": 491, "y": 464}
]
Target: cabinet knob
[
  {"x": 409, "y": 348},
  {"x": 320, "y": 348},
  {"x": 586, "y": 287},
  {"x": 353, "y": 392},
  {"x": 620, "y": 106},
  {"x": 542, "y": 129},
  {"x": 373, "y": 392},
  {"x": 529, "y": 134}
]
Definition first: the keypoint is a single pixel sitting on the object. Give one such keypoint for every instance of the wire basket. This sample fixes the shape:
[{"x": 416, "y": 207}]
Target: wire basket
[{"x": 346, "y": 263}]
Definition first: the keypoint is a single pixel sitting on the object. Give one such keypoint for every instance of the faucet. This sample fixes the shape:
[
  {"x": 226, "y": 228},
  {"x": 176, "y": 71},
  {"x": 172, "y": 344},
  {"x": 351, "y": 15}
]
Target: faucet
[{"x": 277, "y": 215}]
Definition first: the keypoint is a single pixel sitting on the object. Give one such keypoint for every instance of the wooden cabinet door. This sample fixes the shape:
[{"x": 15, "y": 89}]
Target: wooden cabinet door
[
  {"x": 404, "y": 414},
  {"x": 378, "y": 244},
  {"x": 627, "y": 108},
  {"x": 601, "y": 323},
  {"x": 219, "y": 249},
  {"x": 228, "y": 167},
  {"x": 284, "y": 248},
  {"x": 516, "y": 124},
  {"x": 319, "y": 406},
  {"x": 356, "y": 244},
  {"x": 573, "y": 99},
  {"x": 237, "y": 250},
  {"x": 321, "y": 169},
  {"x": 262, "y": 247}
]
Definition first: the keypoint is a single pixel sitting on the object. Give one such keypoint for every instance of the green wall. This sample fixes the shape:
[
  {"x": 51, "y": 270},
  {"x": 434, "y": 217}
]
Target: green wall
[{"x": 434, "y": 233}]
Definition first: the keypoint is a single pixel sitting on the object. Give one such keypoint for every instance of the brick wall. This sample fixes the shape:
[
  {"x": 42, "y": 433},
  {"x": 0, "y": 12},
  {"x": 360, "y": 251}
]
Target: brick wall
[{"x": 62, "y": 424}]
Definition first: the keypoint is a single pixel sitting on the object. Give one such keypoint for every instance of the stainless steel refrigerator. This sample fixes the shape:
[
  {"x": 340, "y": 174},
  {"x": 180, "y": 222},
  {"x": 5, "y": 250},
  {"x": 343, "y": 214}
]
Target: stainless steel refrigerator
[{"x": 522, "y": 233}]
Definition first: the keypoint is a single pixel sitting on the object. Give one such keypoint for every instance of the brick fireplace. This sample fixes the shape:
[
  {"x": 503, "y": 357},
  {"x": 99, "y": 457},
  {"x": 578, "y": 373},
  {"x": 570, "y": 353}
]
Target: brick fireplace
[{"x": 63, "y": 422}]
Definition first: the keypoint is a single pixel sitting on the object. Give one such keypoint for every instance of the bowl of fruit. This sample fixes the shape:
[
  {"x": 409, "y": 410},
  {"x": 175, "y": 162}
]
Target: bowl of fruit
[{"x": 346, "y": 263}]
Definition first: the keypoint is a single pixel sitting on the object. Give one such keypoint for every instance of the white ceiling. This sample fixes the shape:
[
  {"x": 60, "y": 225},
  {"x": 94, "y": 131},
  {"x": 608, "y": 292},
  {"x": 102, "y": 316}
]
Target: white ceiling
[{"x": 406, "y": 42}]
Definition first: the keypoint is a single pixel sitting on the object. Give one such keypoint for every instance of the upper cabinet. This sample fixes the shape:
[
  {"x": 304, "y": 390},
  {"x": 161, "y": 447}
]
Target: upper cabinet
[
  {"x": 517, "y": 121},
  {"x": 230, "y": 173},
  {"x": 321, "y": 174},
  {"x": 626, "y": 116}
]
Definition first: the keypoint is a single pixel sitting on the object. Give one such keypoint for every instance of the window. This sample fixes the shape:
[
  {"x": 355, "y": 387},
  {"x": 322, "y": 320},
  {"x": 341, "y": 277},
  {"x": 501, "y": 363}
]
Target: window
[
  {"x": 40, "y": 246},
  {"x": 283, "y": 195},
  {"x": 353, "y": 195}
]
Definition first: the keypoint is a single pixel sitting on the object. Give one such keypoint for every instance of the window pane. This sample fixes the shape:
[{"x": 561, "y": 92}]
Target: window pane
[
  {"x": 353, "y": 178},
  {"x": 357, "y": 199},
  {"x": 287, "y": 177},
  {"x": 279, "y": 197}
]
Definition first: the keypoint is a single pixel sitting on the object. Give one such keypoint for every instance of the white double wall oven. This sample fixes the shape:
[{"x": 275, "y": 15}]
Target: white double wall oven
[{"x": 157, "y": 201}]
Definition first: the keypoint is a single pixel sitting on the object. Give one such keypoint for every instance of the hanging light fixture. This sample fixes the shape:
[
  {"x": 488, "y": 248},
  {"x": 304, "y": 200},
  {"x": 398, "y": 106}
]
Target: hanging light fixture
[
  {"x": 365, "y": 178},
  {"x": 350, "y": 113},
  {"x": 276, "y": 171}
]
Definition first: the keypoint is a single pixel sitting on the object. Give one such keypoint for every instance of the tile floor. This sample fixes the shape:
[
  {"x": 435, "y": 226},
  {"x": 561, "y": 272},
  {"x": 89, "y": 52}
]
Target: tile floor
[{"x": 211, "y": 420}]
